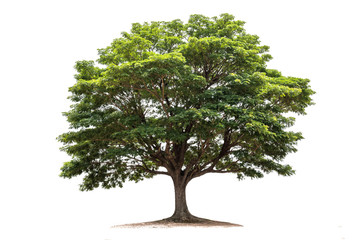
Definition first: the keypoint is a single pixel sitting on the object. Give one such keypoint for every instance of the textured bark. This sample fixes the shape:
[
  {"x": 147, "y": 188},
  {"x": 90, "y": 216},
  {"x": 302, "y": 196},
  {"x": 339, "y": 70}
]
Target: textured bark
[{"x": 181, "y": 213}]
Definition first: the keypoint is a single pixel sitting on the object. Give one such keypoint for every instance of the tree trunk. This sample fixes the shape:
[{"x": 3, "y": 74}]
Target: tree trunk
[{"x": 181, "y": 213}]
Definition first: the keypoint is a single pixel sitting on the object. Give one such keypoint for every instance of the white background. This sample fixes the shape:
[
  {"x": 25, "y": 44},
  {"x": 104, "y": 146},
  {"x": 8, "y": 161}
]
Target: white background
[{"x": 40, "y": 42}]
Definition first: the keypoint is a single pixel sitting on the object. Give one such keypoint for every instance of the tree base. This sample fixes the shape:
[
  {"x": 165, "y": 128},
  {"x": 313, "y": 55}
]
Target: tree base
[
  {"x": 180, "y": 222},
  {"x": 185, "y": 219}
]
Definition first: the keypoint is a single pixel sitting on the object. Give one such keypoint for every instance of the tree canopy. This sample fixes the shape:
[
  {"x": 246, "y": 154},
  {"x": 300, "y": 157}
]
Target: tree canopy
[{"x": 183, "y": 100}]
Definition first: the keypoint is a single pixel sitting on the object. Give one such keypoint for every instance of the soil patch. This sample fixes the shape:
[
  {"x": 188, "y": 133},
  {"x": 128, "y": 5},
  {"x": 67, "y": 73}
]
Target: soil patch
[{"x": 165, "y": 223}]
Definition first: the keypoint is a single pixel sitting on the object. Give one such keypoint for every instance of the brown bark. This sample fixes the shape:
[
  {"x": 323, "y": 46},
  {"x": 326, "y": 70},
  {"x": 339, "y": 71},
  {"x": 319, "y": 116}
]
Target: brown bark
[{"x": 181, "y": 213}]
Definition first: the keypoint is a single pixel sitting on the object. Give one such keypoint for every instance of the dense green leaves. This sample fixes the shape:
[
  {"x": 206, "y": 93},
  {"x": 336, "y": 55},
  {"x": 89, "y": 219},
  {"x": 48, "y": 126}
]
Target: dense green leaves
[{"x": 183, "y": 99}]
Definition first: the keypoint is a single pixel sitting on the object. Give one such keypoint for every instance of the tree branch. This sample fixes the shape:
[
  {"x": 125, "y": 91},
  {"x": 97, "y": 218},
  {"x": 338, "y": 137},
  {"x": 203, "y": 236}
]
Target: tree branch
[
  {"x": 224, "y": 151},
  {"x": 193, "y": 161},
  {"x": 147, "y": 169},
  {"x": 153, "y": 93}
]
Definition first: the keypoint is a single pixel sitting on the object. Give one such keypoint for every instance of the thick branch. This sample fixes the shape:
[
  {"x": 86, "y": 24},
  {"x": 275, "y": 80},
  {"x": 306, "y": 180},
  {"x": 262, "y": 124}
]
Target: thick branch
[{"x": 167, "y": 163}]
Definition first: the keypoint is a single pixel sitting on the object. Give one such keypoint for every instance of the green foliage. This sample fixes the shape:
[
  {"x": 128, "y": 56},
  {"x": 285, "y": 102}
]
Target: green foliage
[{"x": 181, "y": 98}]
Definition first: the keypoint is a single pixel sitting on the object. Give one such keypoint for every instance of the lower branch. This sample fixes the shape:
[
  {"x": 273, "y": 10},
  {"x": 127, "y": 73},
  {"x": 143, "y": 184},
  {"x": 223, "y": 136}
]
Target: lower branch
[
  {"x": 148, "y": 170},
  {"x": 225, "y": 171}
]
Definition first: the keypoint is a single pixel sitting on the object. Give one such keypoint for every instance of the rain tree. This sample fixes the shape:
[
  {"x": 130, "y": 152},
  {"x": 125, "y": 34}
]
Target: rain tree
[{"x": 182, "y": 100}]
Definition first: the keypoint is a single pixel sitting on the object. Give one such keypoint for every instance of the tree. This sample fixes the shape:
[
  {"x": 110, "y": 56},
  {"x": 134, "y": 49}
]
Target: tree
[{"x": 183, "y": 100}]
